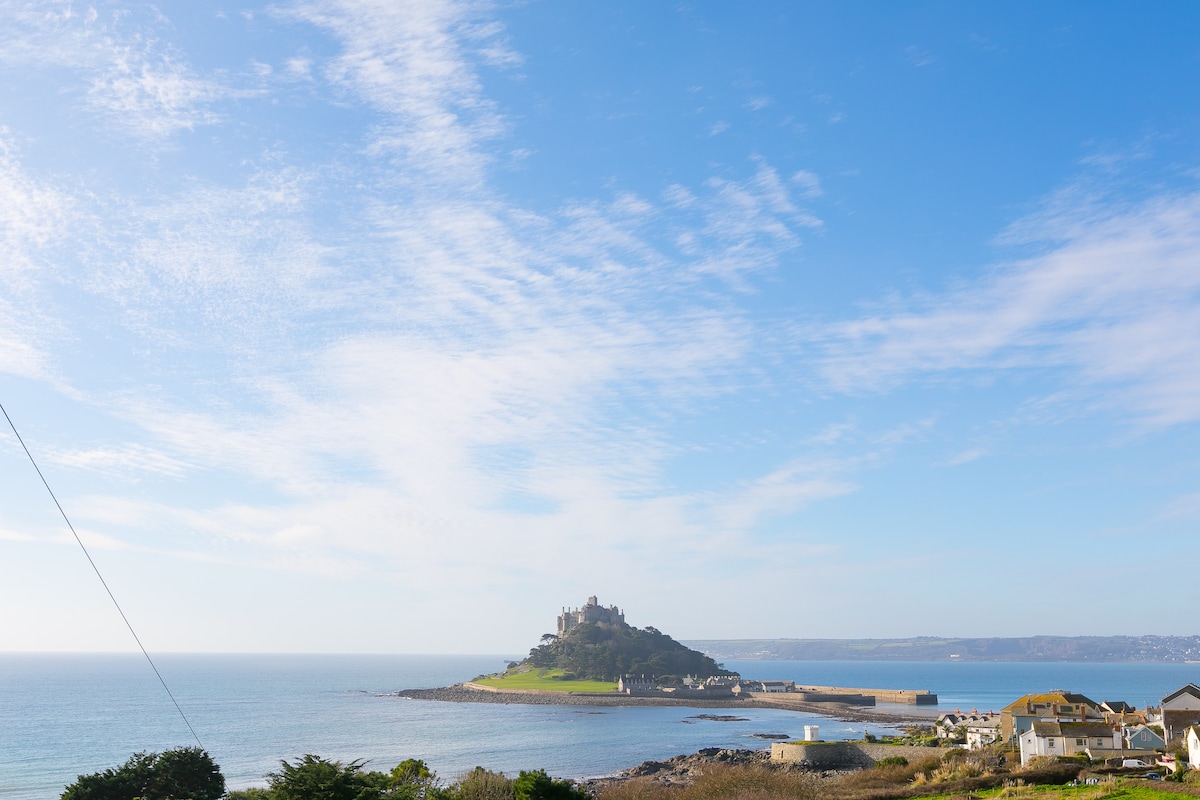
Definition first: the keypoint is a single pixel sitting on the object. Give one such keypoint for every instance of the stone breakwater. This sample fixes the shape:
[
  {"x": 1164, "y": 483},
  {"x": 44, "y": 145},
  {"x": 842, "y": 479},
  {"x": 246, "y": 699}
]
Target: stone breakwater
[{"x": 464, "y": 693}]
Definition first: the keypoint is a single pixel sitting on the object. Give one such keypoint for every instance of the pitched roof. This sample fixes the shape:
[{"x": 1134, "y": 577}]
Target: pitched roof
[
  {"x": 1047, "y": 698},
  {"x": 1117, "y": 706},
  {"x": 1086, "y": 729},
  {"x": 1078, "y": 729},
  {"x": 990, "y": 722},
  {"x": 1191, "y": 689}
]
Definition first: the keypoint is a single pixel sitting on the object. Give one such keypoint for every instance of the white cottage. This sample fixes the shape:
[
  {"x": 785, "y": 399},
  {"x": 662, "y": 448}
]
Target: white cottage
[
  {"x": 1193, "y": 746},
  {"x": 1096, "y": 739}
]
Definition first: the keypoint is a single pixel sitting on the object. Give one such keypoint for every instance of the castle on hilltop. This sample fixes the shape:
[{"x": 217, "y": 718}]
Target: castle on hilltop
[{"x": 592, "y": 612}]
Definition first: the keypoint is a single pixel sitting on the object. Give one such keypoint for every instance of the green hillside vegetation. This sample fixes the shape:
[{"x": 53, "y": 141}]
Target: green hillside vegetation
[
  {"x": 546, "y": 680},
  {"x": 604, "y": 652}
]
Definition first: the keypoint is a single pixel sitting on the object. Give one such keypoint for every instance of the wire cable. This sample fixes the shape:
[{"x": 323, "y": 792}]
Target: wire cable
[{"x": 103, "y": 582}]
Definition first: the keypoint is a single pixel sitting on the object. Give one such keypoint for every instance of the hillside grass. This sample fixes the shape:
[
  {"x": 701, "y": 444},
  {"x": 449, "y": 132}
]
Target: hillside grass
[
  {"x": 1118, "y": 792},
  {"x": 549, "y": 680}
]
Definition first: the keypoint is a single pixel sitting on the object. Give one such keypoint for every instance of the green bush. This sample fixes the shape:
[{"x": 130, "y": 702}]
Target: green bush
[
  {"x": 482, "y": 784},
  {"x": 314, "y": 778},
  {"x": 184, "y": 772},
  {"x": 537, "y": 785}
]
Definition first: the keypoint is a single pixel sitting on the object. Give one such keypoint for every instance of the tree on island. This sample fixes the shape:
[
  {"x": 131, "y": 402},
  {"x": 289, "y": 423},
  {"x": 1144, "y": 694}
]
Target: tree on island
[{"x": 604, "y": 652}]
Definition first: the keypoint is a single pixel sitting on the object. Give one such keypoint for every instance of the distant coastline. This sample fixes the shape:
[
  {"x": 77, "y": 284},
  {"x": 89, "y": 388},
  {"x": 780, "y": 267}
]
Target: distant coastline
[{"x": 1034, "y": 649}]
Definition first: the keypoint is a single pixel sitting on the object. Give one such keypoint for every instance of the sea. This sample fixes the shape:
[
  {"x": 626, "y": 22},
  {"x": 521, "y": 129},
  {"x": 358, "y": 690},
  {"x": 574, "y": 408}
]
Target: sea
[{"x": 63, "y": 715}]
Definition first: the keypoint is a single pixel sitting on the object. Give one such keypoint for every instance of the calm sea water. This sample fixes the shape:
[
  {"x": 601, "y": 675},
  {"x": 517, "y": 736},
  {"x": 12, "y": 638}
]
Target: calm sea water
[{"x": 65, "y": 715}]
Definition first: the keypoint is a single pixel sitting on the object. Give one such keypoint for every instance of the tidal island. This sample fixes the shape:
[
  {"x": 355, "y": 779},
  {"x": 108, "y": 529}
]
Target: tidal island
[{"x": 595, "y": 658}]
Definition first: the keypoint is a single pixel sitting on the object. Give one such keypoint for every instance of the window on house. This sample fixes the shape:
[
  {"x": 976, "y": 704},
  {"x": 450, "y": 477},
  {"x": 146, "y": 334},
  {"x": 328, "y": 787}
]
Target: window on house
[
  {"x": 1081, "y": 741},
  {"x": 1051, "y": 743}
]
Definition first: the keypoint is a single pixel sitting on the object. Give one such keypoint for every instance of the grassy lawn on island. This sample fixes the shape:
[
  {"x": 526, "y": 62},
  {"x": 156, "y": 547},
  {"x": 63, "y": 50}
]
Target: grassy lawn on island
[{"x": 549, "y": 680}]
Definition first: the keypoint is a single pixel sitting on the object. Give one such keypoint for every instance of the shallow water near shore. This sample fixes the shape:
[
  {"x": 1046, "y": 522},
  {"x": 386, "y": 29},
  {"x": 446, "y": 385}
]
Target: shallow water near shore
[{"x": 63, "y": 715}]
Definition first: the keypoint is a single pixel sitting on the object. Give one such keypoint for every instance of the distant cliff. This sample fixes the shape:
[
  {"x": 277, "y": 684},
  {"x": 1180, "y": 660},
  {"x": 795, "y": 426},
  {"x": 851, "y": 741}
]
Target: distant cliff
[{"x": 929, "y": 648}]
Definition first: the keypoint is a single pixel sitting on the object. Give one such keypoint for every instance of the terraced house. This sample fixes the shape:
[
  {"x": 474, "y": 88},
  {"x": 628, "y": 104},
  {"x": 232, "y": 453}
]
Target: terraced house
[{"x": 1058, "y": 706}]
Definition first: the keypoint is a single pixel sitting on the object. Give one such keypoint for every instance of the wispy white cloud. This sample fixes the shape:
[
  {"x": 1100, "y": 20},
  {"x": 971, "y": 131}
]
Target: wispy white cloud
[
  {"x": 447, "y": 375},
  {"x": 8, "y": 535},
  {"x": 784, "y": 491},
  {"x": 130, "y": 459},
  {"x": 748, "y": 225},
  {"x": 1113, "y": 301},
  {"x": 1186, "y": 507},
  {"x": 499, "y": 355},
  {"x": 230, "y": 268},
  {"x": 966, "y": 456},
  {"x": 412, "y": 62},
  {"x": 130, "y": 77},
  {"x": 808, "y": 182},
  {"x": 32, "y": 219},
  {"x": 918, "y": 56}
]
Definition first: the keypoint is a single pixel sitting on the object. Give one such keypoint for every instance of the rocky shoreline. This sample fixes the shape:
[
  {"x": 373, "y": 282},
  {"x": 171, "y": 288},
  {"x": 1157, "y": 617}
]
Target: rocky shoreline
[
  {"x": 683, "y": 769},
  {"x": 460, "y": 693}
]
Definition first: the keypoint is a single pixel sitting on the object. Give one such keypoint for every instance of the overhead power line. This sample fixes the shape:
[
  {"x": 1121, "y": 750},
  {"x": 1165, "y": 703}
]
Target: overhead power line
[{"x": 103, "y": 582}]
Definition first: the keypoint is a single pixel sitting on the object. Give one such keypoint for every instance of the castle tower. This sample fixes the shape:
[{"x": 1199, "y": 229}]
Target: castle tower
[{"x": 592, "y": 611}]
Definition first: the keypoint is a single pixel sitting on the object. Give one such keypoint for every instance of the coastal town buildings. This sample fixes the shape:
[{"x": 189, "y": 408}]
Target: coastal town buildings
[
  {"x": 1097, "y": 740},
  {"x": 1142, "y": 737},
  {"x": 1058, "y": 706},
  {"x": 1180, "y": 710},
  {"x": 1193, "y": 746},
  {"x": 983, "y": 732}
]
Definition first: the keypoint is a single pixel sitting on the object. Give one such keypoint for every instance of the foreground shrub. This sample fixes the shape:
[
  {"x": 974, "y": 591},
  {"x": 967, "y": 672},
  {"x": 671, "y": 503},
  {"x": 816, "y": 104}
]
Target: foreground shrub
[
  {"x": 889, "y": 775},
  {"x": 184, "y": 772},
  {"x": 723, "y": 782},
  {"x": 639, "y": 789},
  {"x": 314, "y": 778},
  {"x": 482, "y": 784},
  {"x": 537, "y": 785}
]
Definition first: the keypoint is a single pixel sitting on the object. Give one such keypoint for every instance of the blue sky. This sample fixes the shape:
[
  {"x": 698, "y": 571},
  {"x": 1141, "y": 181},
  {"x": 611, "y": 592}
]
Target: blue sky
[{"x": 395, "y": 327}]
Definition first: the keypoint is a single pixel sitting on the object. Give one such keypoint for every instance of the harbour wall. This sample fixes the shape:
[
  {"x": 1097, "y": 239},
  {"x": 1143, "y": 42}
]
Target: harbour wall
[
  {"x": 848, "y": 755},
  {"x": 912, "y": 697}
]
